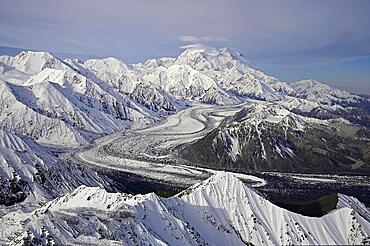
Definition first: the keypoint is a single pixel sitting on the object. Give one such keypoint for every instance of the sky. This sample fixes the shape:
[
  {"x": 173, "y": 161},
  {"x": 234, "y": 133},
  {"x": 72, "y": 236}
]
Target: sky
[{"x": 290, "y": 39}]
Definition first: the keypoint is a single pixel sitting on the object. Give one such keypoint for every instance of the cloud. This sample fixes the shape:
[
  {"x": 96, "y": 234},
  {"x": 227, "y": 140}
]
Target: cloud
[
  {"x": 200, "y": 39},
  {"x": 192, "y": 46},
  {"x": 136, "y": 30},
  {"x": 201, "y": 42}
]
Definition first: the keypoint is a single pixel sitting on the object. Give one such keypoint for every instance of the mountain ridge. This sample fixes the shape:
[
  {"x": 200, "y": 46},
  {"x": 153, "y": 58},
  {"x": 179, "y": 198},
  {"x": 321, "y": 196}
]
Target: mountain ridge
[
  {"x": 272, "y": 138},
  {"x": 203, "y": 214}
]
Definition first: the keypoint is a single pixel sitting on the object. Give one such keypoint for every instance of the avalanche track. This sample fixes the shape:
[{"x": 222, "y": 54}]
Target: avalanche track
[{"x": 152, "y": 152}]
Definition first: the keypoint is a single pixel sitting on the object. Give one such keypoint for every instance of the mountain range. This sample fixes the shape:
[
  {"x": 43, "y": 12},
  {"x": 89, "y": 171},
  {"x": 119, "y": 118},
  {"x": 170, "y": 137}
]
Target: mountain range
[
  {"x": 49, "y": 106},
  {"x": 48, "y": 99}
]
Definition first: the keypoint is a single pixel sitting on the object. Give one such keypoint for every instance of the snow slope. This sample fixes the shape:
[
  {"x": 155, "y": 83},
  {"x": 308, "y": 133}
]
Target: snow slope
[
  {"x": 218, "y": 211},
  {"x": 30, "y": 174},
  {"x": 18, "y": 113},
  {"x": 67, "y": 105}
]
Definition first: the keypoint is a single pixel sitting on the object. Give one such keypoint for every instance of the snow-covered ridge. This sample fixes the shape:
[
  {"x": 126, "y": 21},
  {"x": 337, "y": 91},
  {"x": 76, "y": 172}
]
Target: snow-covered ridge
[
  {"x": 317, "y": 91},
  {"x": 219, "y": 211},
  {"x": 67, "y": 104},
  {"x": 30, "y": 174},
  {"x": 31, "y": 62}
]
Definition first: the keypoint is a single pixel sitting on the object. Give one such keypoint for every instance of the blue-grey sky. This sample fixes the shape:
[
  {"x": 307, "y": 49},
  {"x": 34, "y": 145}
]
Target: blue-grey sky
[{"x": 291, "y": 39}]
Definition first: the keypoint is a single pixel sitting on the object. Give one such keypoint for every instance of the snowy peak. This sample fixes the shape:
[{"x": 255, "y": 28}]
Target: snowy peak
[
  {"x": 316, "y": 91},
  {"x": 219, "y": 211},
  {"x": 109, "y": 64},
  {"x": 269, "y": 137},
  {"x": 209, "y": 52},
  {"x": 221, "y": 179},
  {"x": 31, "y": 62},
  {"x": 205, "y": 58},
  {"x": 250, "y": 86},
  {"x": 90, "y": 197},
  {"x": 303, "y": 85},
  {"x": 272, "y": 113},
  {"x": 231, "y": 71},
  {"x": 113, "y": 72},
  {"x": 62, "y": 77}
]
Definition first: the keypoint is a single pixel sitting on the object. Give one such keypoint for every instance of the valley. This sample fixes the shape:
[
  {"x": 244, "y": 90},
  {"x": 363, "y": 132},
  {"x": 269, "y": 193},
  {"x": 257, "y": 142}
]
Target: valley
[
  {"x": 153, "y": 152},
  {"x": 149, "y": 159}
]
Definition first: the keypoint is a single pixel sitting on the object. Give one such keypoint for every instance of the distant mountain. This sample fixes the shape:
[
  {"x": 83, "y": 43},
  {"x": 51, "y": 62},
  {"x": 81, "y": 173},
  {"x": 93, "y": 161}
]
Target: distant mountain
[
  {"x": 216, "y": 76},
  {"x": 68, "y": 103},
  {"x": 219, "y": 211},
  {"x": 13, "y": 51},
  {"x": 316, "y": 91},
  {"x": 65, "y": 104},
  {"x": 272, "y": 138},
  {"x": 31, "y": 62}
]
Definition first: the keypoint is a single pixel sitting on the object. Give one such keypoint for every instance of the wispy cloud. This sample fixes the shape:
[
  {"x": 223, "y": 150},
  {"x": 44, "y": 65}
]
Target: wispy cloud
[
  {"x": 200, "y": 39},
  {"x": 192, "y": 46}
]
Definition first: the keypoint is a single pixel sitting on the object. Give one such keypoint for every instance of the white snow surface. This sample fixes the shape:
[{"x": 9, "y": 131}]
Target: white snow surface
[{"x": 218, "y": 211}]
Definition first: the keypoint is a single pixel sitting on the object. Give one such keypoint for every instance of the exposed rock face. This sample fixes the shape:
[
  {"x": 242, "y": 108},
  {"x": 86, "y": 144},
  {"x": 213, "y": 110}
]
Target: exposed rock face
[{"x": 272, "y": 138}]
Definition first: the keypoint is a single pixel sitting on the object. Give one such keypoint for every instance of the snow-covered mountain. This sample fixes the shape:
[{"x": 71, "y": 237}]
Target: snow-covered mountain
[
  {"x": 30, "y": 62},
  {"x": 67, "y": 105},
  {"x": 49, "y": 99},
  {"x": 30, "y": 174},
  {"x": 217, "y": 76},
  {"x": 46, "y": 102},
  {"x": 219, "y": 211},
  {"x": 269, "y": 137},
  {"x": 316, "y": 91}
]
